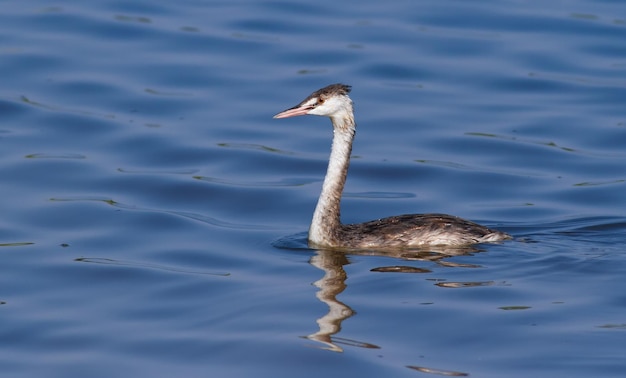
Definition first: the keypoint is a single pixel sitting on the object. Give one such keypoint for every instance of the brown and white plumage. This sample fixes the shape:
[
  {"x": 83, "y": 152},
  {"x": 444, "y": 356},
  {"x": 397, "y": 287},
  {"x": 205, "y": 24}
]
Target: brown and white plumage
[{"x": 411, "y": 230}]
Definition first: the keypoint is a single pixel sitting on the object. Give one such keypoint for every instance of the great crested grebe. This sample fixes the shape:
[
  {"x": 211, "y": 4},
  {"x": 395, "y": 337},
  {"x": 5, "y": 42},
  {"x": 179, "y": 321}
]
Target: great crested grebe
[{"x": 410, "y": 230}]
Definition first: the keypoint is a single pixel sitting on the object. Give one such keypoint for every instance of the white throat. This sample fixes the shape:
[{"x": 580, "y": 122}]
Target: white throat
[{"x": 326, "y": 221}]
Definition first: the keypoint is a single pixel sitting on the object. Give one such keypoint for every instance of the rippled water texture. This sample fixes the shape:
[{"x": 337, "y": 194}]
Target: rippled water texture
[{"x": 153, "y": 214}]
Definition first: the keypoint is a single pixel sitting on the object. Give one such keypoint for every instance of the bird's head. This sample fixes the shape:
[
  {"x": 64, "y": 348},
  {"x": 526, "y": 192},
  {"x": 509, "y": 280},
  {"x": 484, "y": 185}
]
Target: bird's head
[{"x": 331, "y": 101}]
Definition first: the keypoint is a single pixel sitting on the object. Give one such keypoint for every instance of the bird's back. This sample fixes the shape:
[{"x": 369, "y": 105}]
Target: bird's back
[{"x": 417, "y": 230}]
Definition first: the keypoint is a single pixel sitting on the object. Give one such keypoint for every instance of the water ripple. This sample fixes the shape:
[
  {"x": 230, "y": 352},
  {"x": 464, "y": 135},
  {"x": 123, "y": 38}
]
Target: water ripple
[
  {"x": 288, "y": 182},
  {"x": 107, "y": 261},
  {"x": 198, "y": 217}
]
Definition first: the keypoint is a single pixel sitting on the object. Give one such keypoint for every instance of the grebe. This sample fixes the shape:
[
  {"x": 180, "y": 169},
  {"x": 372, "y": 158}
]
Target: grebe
[{"x": 410, "y": 230}]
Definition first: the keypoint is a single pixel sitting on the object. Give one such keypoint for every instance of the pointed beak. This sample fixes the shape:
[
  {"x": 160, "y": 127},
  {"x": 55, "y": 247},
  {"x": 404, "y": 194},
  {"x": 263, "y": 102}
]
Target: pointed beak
[{"x": 297, "y": 110}]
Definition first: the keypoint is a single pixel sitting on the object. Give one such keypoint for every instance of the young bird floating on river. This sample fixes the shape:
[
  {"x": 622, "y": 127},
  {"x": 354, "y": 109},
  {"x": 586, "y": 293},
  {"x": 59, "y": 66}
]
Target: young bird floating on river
[{"x": 401, "y": 231}]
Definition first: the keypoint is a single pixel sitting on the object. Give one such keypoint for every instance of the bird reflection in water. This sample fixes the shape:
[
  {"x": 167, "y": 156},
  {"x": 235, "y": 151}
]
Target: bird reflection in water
[{"x": 333, "y": 283}]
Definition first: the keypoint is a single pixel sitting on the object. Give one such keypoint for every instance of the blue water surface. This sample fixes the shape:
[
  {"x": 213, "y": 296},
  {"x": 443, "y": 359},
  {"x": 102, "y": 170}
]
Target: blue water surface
[{"x": 154, "y": 215}]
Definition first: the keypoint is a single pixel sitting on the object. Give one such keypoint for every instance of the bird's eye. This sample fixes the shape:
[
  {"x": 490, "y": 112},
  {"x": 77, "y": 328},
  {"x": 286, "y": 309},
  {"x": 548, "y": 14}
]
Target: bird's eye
[{"x": 320, "y": 101}]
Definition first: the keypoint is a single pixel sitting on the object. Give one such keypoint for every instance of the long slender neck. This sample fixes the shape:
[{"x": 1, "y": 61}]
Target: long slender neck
[{"x": 326, "y": 223}]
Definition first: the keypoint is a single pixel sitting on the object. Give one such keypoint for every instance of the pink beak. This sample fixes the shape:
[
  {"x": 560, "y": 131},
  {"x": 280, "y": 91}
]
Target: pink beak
[{"x": 297, "y": 110}]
